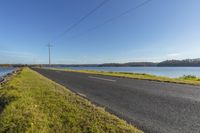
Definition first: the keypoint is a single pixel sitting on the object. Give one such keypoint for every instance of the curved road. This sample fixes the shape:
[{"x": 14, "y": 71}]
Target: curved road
[{"x": 151, "y": 106}]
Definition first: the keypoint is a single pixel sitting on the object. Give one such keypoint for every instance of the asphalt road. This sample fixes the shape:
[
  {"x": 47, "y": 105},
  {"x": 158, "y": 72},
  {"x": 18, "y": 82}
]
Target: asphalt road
[{"x": 151, "y": 106}]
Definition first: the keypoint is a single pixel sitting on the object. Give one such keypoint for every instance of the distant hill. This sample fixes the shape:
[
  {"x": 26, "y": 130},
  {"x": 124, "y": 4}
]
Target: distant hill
[
  {"x": 167, "y": 63},
  {"x": 186, "y": 62}
]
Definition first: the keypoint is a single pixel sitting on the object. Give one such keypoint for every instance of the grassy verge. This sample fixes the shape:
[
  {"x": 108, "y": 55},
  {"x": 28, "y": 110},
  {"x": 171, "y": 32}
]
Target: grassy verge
[
  {"x": 192, "y": 80},
  {"x": 30, "y": 102}
]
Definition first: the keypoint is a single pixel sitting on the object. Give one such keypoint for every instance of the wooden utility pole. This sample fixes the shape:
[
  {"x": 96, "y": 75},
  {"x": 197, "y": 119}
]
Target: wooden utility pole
[{"x": 49, "y": 47}]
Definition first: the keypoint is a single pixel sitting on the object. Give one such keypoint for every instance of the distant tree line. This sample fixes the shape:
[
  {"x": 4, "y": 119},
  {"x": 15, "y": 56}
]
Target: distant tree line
[
  {"x": 186, "y": 62},
  {"x": 167, "y": 63}
]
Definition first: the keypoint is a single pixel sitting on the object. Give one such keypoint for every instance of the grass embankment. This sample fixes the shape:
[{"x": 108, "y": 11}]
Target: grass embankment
[
  {"x": 30, "y": 102},
  {"x": 189, "y": 79}
]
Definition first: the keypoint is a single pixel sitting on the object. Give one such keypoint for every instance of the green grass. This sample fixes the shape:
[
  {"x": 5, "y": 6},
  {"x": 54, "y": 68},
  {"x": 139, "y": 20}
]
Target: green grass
[
  {"x": 30, "y": 102},
  {"x": 188, "y": 79}
]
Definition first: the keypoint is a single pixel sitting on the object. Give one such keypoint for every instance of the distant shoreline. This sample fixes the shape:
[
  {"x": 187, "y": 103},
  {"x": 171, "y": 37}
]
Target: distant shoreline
[
  {"x": 123, "y": 66},
  {"x": 167, "y": 63}
]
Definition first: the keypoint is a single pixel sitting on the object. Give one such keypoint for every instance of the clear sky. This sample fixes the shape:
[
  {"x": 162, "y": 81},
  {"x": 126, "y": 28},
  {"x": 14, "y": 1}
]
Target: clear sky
[{"x": 160, "y": 30}]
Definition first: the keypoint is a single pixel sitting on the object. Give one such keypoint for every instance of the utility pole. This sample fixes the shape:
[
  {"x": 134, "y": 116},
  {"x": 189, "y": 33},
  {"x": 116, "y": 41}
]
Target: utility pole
[{"x": 49, "y": 47}]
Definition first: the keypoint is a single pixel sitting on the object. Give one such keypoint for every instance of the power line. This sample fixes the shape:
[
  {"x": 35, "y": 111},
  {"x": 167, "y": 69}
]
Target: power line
[
  {"x": 115, "y": 17},
  {"x": 75, "y": 24},
  {"x": 97, "y": 26},
  {"x": 82, "y": 19}
]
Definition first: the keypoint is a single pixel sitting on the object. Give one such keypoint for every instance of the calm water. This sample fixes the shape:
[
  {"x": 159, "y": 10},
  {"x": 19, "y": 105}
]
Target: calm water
[
  {"x": 160, "y": 71},
  {"x": 5, "y": 70}
]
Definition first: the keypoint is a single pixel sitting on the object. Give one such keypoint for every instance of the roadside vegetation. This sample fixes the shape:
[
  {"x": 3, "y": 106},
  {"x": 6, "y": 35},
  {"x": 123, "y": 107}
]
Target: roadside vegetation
[
  {"x": 30, "y": 102},
  {"x": 187, "y": 79}
]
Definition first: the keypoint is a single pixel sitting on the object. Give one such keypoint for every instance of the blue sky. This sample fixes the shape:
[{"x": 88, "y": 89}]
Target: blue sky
[{"x": 160, "y": 30}]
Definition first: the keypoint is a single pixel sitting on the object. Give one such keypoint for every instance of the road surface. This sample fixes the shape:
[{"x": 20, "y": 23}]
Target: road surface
[{"x": 151, "y": 106}]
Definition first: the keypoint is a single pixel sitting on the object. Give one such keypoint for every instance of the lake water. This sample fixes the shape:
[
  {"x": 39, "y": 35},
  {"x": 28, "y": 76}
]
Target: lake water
[
  {"x": 5, "y": 70},
  {"x": 159, "y": 71}
]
